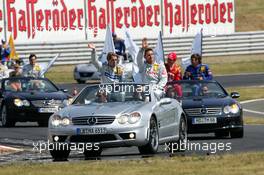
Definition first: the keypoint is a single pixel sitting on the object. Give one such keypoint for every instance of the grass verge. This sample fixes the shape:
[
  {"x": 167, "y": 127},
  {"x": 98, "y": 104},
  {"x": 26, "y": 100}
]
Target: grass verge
[
  {"x": 249, "y": 14},
  {"x": 237, "y": 164},
  {"x": 248, "y": 93},
  {"x": 253, "y": 120}
]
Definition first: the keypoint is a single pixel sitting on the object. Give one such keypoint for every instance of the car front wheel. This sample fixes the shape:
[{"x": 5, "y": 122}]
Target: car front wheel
[
  {"x": 180, "y": 145},
  {"x": 92, "y": 153},
  {"x": 6, "y": 121},
  {"x": 153, "y": 143},
  {"x": 60, "y": 154}
]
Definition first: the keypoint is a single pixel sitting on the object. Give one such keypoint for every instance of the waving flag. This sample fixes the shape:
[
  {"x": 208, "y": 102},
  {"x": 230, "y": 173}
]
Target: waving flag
[
  {"x": 197, "y": 43},
  {"x": 108, "y": 44},
  {"x": 133, "y": 50},
  {"x": 131, "y": 46},
  {"x": 13, "y": 55},
  {"x": 158, "y": 51},
  {"x": 196, "y": 49},
  {"x": 45, "y": 67}
]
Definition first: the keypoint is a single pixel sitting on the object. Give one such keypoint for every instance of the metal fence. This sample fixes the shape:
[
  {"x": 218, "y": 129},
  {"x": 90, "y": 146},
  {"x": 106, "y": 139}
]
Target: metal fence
[{"x": 77, "y": 52}]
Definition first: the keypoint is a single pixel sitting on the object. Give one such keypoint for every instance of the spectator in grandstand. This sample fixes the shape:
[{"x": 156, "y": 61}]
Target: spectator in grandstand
[{"x": 5, "y": 52}]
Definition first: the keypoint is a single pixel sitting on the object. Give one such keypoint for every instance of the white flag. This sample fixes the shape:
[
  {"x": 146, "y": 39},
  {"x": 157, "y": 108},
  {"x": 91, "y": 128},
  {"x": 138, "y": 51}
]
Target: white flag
[
  {"x": 131, "y": 46},
  {"x": 158, "y": 51},
  {"x": 45, "y": 67},
  {"x": 133, "y": 50},
  {"x": 196, "y": 49},
  {"x": 197, "y": 43},
  {"x": 185, "y": 62},
  {"x": 108, "y": 44}
]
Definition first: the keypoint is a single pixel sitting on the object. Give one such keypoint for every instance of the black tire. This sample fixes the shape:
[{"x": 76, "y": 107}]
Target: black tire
[
  {"x": 153, "y": 143},
  {"x": 237, "y": 133},
  {"x": 92, "y": 153},
  {"x": 60, "y": 154},
  {"x": 180, "y": 145},
  {"x": 43, "y": 124},
  {"x": 6, "y": 121},
  {"x": 80, "y": 81},
  {"x": 221, "y": 134}
]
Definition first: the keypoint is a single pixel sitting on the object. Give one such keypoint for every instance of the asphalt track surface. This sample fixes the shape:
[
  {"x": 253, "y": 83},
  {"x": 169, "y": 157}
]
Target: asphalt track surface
[{"x": 25, "y": 135}]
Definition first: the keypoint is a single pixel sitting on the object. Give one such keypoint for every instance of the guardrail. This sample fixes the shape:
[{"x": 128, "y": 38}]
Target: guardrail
[{"x": 77, "y": 52}]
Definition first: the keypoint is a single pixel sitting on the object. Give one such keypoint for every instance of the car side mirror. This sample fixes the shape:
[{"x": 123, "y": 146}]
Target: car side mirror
[
  {"x": 64, "y": 90},
  {"x": 235, "y": 95},
  {"x": 165, "y": 101}
]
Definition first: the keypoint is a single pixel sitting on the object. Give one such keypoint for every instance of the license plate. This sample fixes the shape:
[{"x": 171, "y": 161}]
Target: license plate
[
  {"x": 48, "y": 110},
  {"x": 87, "y": 131},
  {"x": 205, "y": 120}
]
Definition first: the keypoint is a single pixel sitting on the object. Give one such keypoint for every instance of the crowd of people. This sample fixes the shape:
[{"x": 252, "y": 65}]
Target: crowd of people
[
  {"x": 152, "y": 72},
  {"x": 15, "y": 68}
]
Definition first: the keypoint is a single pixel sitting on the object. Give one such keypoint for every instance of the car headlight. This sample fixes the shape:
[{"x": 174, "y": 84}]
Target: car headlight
[
  {"x": 26, "y": 103},
  {"x": 65, "y": 121},
  {"x": 18, "y": 102},
  {"x": 131, "y": 118},
  {"x": 234, "y": 108},
  {"x": 55, "y": 120},
  {"x": 134, "y": 117},
  {"x": 123, "y": 119}
]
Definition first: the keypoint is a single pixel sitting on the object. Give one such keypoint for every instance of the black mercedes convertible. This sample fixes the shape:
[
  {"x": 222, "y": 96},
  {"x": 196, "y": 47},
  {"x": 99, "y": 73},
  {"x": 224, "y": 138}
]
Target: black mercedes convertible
[
  {"x": 208, "y": 107},
  {"x": 25, "y": 99}
]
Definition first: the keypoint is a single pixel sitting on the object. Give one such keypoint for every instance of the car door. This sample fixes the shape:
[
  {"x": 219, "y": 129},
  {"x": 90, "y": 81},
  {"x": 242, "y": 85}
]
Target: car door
[
  {"x": 166, "y": 119},
  {"x": 1, "y": 93}
]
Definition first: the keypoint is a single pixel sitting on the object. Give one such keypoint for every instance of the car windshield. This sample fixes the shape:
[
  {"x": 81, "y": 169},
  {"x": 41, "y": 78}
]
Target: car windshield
[
  {"x": 28, "y": 85},
  {"x": 195, "y": 89},
  {"x": 108, "y": 93}
]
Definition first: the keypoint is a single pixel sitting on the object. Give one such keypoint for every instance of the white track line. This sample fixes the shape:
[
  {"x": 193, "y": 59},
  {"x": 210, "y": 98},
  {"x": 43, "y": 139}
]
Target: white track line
[
  {"x": 250, "y": 101},
  {"x": 254, "y": 112},
  {"x": 251, "y": 111},
  {"x": 9, "y": 148}
]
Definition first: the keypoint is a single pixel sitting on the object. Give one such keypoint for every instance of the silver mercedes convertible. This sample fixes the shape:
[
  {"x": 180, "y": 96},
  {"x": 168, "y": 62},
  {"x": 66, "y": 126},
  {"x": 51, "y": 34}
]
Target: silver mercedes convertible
[{"x": 117, "y": 115}]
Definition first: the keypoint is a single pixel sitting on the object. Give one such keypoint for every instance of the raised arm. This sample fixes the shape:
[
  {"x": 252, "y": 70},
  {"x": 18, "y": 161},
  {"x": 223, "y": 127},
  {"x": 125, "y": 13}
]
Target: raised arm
[{"x": 95, "y": 61}]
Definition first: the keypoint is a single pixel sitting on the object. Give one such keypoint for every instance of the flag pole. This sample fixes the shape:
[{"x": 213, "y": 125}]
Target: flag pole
[
  {"x": 162, "y": 47},
  {"x": 201, "y": 42}
]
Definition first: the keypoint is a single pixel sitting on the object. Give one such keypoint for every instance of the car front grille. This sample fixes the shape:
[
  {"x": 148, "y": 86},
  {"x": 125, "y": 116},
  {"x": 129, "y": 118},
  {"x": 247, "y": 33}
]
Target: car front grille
[
  {"x": 86, "y": 74},
  {"x": 47, "y": 103},
  {"x": 203, "y": 111},
  {"x": 98, "y": 120}
]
